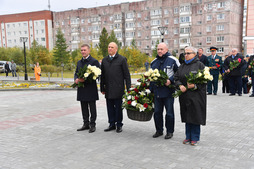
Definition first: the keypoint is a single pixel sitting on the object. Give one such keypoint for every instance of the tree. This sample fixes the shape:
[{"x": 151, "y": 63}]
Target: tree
[
  {"x": 103, "y": 44},
  {"x": 61, "y": 55},
  {"x": 154, "y": 54},
  {"x": 133, "y": 43},
  {"x": 112, "y": 38}
]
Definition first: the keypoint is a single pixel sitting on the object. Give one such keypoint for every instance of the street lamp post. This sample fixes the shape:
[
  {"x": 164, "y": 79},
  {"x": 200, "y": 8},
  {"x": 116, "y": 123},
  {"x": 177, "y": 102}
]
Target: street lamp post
[
  {"x": 162, "y": 30},
  {"x": 24, "y": 40}
]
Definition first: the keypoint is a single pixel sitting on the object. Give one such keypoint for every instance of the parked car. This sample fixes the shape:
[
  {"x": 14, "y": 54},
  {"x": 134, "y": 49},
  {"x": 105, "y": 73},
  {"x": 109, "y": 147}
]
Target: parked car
[{"x": 2, "y": 64}]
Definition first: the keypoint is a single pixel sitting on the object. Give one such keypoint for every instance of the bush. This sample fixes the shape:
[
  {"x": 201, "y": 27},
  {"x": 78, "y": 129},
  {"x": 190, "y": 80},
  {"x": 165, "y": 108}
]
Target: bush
[{"x": 49, "y": 68}]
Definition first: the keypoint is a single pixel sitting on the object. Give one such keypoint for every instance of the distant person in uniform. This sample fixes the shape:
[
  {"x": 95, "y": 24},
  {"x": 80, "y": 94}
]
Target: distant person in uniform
[{"x": 214, "y": 62}]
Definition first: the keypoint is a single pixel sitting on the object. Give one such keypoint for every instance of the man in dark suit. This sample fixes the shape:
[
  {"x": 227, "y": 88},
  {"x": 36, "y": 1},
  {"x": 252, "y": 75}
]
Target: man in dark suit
[
  {"x": 201, "y": 56},
  {"x": 114, "y": 73},
  {"x": 235, "y": 75},
  {"x": 88, "y": 94},
  {"x": 214, "y": 62},
  {"x": 251, "y": 73}
]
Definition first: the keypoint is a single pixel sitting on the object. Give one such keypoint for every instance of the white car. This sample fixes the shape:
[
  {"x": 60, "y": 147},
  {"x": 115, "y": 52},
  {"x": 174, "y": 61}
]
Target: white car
[{"x": 2, "y": 64}]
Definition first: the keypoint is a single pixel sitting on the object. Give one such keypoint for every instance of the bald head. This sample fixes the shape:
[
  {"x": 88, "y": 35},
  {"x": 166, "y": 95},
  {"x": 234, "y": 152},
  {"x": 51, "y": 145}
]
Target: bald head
[
  {"x": 162, "y": 48},
  {"x": 112, "y": 48}
]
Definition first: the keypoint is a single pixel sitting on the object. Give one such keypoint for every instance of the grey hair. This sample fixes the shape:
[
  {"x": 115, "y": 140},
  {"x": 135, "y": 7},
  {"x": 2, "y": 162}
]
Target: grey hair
[
  {"x": 192, "y": 49},
  {"x": 235, "y": 49}
]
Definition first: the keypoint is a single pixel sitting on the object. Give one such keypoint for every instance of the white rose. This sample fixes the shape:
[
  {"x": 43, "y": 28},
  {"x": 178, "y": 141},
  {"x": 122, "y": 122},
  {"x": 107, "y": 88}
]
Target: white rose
[
  {"x": 129, "y": 97},
  {"x": 133, "y": 103},
  {"x": 148, "y": 91},
  {"x": 86, "y": 74}
]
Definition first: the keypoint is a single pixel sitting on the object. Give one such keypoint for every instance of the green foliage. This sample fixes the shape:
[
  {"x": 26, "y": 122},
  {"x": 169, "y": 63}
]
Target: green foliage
[
  {"x": 75, "y": 56},
  {"x": 61, "y": 55},
  {"x": 112, "y": 38},
  {"x": 104, "y": 41},
  {"x": 154, "y": 54},
  {"x": 4, "y": 55},
  {"x": 133, "y": 43},
  {"x": 49, "y": 68}
]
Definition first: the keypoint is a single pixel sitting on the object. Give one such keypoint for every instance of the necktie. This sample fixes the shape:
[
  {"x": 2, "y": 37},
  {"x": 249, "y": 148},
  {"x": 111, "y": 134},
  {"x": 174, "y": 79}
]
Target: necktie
[{"x": 111, "y": 57}]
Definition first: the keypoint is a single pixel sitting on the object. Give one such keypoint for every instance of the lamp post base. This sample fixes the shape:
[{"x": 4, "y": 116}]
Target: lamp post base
[{"x": 26, "y": 78}]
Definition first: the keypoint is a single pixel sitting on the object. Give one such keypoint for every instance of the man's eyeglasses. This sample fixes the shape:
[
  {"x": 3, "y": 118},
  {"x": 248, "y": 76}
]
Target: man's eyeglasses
[{"x": 188, "y": 53}]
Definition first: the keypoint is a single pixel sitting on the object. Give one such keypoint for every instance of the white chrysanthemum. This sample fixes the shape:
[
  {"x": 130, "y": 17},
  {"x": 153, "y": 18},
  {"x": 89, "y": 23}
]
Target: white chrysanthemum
[
  {"x": 148, "y": 91},
  {"x": 199, "y": 74},
  {"x": 138, "y": 83},
  {"x": 210, "y": 78},
  {"x": 134, "y": 103},
  {"x": 86, "y": 74},
  {"x": 129, "y": 97}
]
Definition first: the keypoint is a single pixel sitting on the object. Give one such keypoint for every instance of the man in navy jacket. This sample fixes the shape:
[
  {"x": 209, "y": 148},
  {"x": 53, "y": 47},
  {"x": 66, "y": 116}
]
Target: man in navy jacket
[{"x": 163, "y": 94}]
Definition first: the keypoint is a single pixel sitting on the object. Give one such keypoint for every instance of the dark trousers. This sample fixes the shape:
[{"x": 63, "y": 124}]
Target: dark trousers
[
  {"x": 252, "y": 83},
  {"x": 192, "y": 131},
  {"x": 115, "y": 112},
  {"x": 13, "y": 73},
  {"x": 6, "y": 72},
  {"x": 159, "y": 104},
  {"x": 225, "y": 85},
  {"x": 214, "y": 84},
  {"x": 235, "y": 83},
  {"x": 85, "y": 112},
  {"x": 244, "y": 84}
]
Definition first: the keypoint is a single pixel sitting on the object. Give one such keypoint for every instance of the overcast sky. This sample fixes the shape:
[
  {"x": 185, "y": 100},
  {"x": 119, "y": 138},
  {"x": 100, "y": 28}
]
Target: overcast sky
[{"x": 20, "y": 6}]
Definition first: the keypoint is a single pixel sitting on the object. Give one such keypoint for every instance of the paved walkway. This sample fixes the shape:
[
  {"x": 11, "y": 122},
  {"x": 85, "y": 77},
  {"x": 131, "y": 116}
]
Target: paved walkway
[{"x": 38, "y": 131}]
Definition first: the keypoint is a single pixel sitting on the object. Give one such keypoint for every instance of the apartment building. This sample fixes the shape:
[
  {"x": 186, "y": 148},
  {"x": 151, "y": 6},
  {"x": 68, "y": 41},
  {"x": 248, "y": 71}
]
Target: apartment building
[
  {"x": 200, "y": 23},
  {"x": 33, "y": 25}
]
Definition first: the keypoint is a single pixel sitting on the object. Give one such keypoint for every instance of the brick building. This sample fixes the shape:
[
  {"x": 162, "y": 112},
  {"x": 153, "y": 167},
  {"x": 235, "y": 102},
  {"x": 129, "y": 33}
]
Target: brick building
[
  {"x": 33, "y": 25},
  {"x": 200, "y": 23}
]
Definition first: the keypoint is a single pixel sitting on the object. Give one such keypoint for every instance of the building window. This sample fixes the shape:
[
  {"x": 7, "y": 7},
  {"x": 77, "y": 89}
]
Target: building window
[
  {"x": 208, "y": 40},
  {"x": 155, "y": 12},
  {"x": 9, "y": 33},
  {"x": 199, "y": 44},
  {"x": 175, "y": 10},
  {"x": 199, "y": 33},
  {"x": 176, "y": 21},
  {"x": 209, "y": 17},
  {"x": 25, "y": 32},
  {"x": 82, "y": 20},
  {"x": 184, "y": 19},
  {"x": 62, "y": 22},
  {"x": 128, "y": 25},
  {"x": 184, "y": 8},
  {"x": 42, "y": 23},
  {"x": 139, "y": 33},
  {"x": 139, "y": 24},
  {"x": 208, "y": 29},
  {"x": 89, "y": 20},
  {"x": 166, "y": 12},
  {"x": 43, "y": 39},
  {"x": 200, "y": 12},
  {"x": 25, "y": 24},
  {"x": 221, "y": 4},
  {"x": 185, "y": 30},
  {"x": 176, "y": 31},
  {"x": 221, "y": 50},
  {"x": 175, "y": 41},
  {"x": 42, "y": 31},
  {"x": 13, "y": 25},
  {"x": 118, "y": 35},
  {"x": 83, "y": 29},
  {"x": 111, "y": 27},
  {"x": 139, "y": 15},
  {"x": 129, "y": 16},
  {"x": 220, "y": 16},
  {"x": 138, "y": 43},
  {"x": 185, "y": 40},
  {"x": 199, "y": 1},
  {"x": 220, "y": 38},
  {"x": 118, "y": 26},
  {"x": 8, "y": 25},
  {"x": 199, "y": 22},
  {"x": 9, "y": 41},
  {"x": 155, "y": 22},
  {"x": 155, "y": 33},
  {"x": 220, "y": 27},
  {"x": 209, "y": 6},
  {"x": 166, "y": 21}
]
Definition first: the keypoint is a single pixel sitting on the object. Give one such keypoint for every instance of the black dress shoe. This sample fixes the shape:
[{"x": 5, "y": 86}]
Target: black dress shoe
[
  {"x": 92, "y": 129},
  {"x": 110, "y": 128},
  {"x": 252, "y": 95},
  {"x": 157, "y": 134},
  {"x": 215, "y": 93},
  {"x": 84, "y": 127},
  {"x": 231, "y": 94},
  {"x": 168, "y": 135},
  {"x": 119, "y": 129},
  {"x": 239, "y": 94},
  {"x": 209, "y": 93}
]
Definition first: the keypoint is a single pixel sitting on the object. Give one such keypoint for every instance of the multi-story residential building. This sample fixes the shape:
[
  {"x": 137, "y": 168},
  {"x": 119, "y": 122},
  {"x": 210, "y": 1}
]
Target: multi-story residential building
[
  {"x": 200, "y": 23},
  {"x": 33, "y": 25},
  {"x": 249, "y": 37}
]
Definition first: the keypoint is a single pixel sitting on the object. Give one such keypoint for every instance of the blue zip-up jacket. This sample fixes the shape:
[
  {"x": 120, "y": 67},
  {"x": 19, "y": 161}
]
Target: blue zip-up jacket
[{"x": 168, "y": 64}]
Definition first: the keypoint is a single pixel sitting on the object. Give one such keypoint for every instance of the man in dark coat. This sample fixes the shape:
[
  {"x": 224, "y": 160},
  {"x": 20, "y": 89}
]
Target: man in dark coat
[
  {"x": 163, "y": 94},
  {"x": 7, "y": 68},
  {"x": 192, "y": 102},
  {"x": 202, "y": 57},
  {"x": 88, "y": 94},
  {"x": 235, "y": 76},
  {"x": 114, "y": 73},
  {"x": 225, "y": 78},
  {"x": 214, "y": 62},
  {"x": 251, "y": 73}
]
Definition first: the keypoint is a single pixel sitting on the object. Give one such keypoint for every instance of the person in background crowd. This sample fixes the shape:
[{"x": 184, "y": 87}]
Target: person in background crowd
[
  {"x": 147, "y": 65},
  {"x": 88, "y": 94},
  {"x": 201, "y": 56},
  {"x": 13, "y": 68},
  {"x": 181, "y": 57},
  {"x": 7, "y": 68},
  {"x": 245, "y": 75},
  {"x": 163, "y": 94},
  {"x": 192, "y": 102},
  {"x": 114, "y": 74},
  {"x": 235, "y": 75},
  {"x": 37, "y": 72},
  {"x": 225, "y": 78},
  {"x": 251, "y": 73},
  {"x": 214, "y": 62}
]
